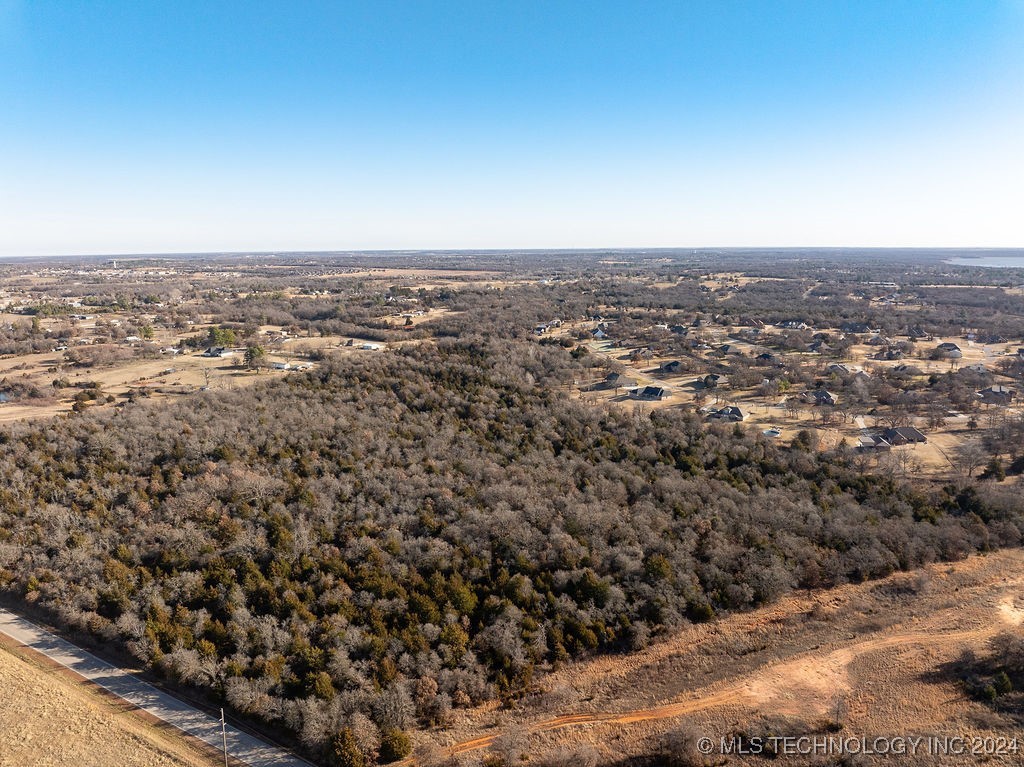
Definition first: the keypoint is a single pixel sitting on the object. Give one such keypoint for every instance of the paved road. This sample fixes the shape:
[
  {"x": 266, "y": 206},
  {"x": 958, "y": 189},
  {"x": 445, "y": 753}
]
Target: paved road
[{"x": 241, "y": 745}]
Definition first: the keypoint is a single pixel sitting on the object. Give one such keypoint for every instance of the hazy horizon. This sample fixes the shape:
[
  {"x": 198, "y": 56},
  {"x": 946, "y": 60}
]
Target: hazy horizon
[{"x": 967, "y": 252}]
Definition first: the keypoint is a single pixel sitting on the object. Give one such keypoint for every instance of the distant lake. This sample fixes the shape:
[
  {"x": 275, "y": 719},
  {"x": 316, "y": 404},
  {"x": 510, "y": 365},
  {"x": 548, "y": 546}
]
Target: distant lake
[{"x": 1003, "y": 262}]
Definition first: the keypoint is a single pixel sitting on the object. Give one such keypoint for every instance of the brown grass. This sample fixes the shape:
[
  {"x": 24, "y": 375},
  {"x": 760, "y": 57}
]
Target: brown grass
[
  {"x": 50, "y": 717},
  {"x": 859, "y": 657}
]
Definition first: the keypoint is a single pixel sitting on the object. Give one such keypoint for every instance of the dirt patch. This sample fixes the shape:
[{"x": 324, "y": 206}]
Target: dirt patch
[
  {"x": 860, "y": 656},
  {"x": 48, "y": 719},
  {"x": 1010, "y": 613}
]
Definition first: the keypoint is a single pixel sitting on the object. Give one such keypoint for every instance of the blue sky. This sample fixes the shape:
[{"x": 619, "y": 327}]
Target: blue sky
[{"x": 175, "y": 126}]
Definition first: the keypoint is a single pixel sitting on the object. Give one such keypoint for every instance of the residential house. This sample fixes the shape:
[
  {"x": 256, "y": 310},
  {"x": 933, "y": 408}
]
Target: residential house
[
  {"x": 819, "y": 397},
  {"x": 840, "y": 369},
  {"x": 997, "y": 395},
  {"x": 219, "y": 351},
  {"x": 648, "y": 392},
  {"x": 869, "y": 442},
  {"x": 543, "y": 327},
  {"x": 729, "y": 413},
  {"x": 918, "y": 334},
  {"x": 712, "y": 381},
  {"x": 902, "y": 435},
  {"x": 889, "y": 353},
  {"x": 641, "y": 354},
  {"x": 616, "y": 381}
]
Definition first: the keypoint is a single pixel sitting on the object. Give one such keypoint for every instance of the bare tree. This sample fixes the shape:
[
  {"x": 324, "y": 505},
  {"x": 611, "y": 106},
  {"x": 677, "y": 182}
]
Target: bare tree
[{"x": 968, "y": 456}]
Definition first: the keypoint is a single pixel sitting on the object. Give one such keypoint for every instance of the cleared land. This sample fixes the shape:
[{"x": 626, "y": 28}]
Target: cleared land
[
  {"x": 933, "y": 458},
  {"x": 48, "y": 718},
  {"x": 860, "y": 658}
]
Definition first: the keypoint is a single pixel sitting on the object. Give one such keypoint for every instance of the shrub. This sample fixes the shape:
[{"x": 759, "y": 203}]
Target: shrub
[{"x": 394, "y": 745}]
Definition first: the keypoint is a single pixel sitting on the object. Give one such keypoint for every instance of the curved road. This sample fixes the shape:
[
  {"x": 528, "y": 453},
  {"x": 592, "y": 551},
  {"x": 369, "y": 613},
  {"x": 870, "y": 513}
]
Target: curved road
[
  {"x": 241, "y": 746},
  {"x": 742, "y": 692}
]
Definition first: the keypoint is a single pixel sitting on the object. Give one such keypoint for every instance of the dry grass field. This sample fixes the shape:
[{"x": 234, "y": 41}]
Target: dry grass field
[
  {"x": 168, "y": 375},
  {"x": 861, "y": 657},
  {"x": 48, "y": 719},
  {"x": 858, "y": 659},
  {"x": 933, "y": 458},
  {"x": 164, "y": 376}
]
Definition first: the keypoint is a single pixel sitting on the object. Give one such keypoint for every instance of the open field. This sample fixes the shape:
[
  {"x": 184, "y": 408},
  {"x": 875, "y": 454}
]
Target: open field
[
  {"x": 773, "y": 411},
  {"x": 47, "y": 718},
  {"x": 164, "y": 376},
  {"x": 161, "y": 377},
  {"x": 861, "y": 659},
  {"x": 128, "y": 364}
]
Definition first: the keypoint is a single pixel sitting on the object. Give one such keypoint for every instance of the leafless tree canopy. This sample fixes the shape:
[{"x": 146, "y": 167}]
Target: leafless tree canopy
[{"x": 365, "y": 546}]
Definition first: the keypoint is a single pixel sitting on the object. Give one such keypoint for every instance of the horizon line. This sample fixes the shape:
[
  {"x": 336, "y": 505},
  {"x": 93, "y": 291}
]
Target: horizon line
[{"x": 497, "y": 250}]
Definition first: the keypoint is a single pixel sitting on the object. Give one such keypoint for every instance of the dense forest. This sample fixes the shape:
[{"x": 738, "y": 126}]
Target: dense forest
[{"x": 346, "y": 553}]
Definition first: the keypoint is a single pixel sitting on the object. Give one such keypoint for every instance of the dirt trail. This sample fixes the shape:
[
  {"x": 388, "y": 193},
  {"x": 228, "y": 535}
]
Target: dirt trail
[
  {"x": 805, "y": 682},
  {"x": 1010, "y": 613}
]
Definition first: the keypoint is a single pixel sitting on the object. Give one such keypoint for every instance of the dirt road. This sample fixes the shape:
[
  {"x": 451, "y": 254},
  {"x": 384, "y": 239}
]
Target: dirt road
[{"x": 802, "y": 683}]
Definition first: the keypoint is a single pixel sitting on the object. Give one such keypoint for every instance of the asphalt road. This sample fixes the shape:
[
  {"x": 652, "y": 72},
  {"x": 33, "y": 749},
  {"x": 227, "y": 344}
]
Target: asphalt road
[{"x": 241, "y": 746}]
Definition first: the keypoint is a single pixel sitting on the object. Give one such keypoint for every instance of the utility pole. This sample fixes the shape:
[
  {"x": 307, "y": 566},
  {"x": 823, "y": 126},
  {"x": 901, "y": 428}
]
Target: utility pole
[{"x": 224, "y": 736}]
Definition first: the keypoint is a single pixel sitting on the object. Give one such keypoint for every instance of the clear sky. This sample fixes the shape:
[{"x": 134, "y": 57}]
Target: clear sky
[{"x": 174, "y": 126}]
